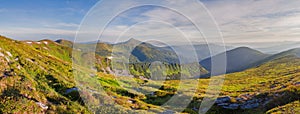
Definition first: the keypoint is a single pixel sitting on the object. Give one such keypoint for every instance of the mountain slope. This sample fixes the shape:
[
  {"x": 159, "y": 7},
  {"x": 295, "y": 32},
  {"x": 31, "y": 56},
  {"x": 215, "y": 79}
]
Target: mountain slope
[
  {"x": 262, "y": 89},
  {"x": 66, "y": 43},
  {"x": 134, "y": 50},
  {"x": 35, "y": 81},
  {"x": 238, "y": 59},
  {"x": 280, "y": 47}
]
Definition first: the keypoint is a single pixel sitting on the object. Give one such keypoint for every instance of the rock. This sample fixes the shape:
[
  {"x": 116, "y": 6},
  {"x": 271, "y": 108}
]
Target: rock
[
  {"x": 195, "y": 109},
  {"x": 152, "y": 93},
  {"x": 92, "y": 75},
  {"x": 43, "y": 106},
  {"x": 232, "y": 106},
  {"x": 223, "y": 104},
  {"x": 19, "y": 67},
  {"x": 9, "y": 54},
  {"x": 239, "y": 99},
  {"x": 250, "y": 106},
  {"x": 1, "y": 54},
  {"x": 7, "y": 59},
  {"x": 45, "y": 48},
  {"x": 71, "y": 90},
  {"x": 131, "y": 101},
  {"x": 168, "y": 112},
  {"x": 27, "y": 59},
  {"x": 110, "y": 57},
  {"x": 223, "y": 99}
]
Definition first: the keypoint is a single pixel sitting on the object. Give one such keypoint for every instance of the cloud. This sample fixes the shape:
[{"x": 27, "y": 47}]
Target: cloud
[
  {"x": 63, "y": 25},
  {"x": 257, "y": 20},
  {"x": 38, "y": 33},
  {"x": 239, "y": 21}
]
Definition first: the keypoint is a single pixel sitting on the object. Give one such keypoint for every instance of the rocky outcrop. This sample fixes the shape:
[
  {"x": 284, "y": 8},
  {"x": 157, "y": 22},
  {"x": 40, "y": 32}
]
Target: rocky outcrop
[
  {"x": 71, "y": 90},
  {"x": 244, "y": 101}
]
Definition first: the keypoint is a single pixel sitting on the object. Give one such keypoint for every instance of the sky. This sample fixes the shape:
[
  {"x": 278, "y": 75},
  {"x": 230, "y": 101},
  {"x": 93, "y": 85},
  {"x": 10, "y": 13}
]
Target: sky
[{"x": 239, "y": 21}]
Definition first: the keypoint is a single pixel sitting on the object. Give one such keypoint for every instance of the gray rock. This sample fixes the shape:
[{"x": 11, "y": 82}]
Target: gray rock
[
  {"x": 168, "y": 112},
  {"x": 43, "y": 106},
  {"x": 250, "y": 106},
  {"x": 71, "y": 90},
  {"x": 223, "y": 104},
  {"x": 232, "y": 106},
  {"x": 223, "y": 99}
]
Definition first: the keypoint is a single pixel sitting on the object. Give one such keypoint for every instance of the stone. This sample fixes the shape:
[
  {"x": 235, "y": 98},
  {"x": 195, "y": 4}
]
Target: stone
[
  {"x": 250, "y": 106},
  {"x": 223, "y": 99},
  {"x": 9, "y": 54},
  {"x": 1, "y": 54},
  {"x": 232, "y": 106},
  {"x": 223, "y": 104},
  {"x": 168, "y": 112},
  {"x": 71, "y": 90},
  {"x": 43, "y": 106}
]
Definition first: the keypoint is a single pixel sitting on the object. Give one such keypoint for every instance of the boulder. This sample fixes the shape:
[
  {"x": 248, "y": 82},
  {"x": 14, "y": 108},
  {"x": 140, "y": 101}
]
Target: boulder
[
  {"x": 250, "y": 105},
  {"x": 71, "y": 90},
  {"x": 43, "y": 106},
  {"x": 223, "y": 99},
  {"x": 232, "y": 106}
]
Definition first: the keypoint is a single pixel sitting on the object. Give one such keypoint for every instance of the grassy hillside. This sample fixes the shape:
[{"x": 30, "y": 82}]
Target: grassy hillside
[
  {"x": 142, "y": 52},
  {"x": 271, "y": 87},
  {"x": 65, "y": 43},
  {"x": 35, "y": 81}
]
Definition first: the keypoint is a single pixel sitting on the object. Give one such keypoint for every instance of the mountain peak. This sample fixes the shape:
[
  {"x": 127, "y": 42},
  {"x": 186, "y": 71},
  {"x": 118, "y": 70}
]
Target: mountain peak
[
  {"x": 65, "y": 42},
  {"x": 133, "y": 40},
  {"x": 238, "y": 59},
  {"x": 244, "y": 50}
]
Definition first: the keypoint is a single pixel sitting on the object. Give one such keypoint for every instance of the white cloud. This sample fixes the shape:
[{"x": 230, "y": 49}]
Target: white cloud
[
  {"x": 239, "y": 21},
  {"x": 62, "y": 25},
  {"x": 262, "y": 20},
  {"x": 38, "y": 33}
]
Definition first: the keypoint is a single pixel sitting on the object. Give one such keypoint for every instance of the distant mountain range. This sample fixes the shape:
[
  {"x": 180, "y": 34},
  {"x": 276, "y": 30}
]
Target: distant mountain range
[
  {"x": 243, "y": 58},
  {"x": 238, "y": 59}
]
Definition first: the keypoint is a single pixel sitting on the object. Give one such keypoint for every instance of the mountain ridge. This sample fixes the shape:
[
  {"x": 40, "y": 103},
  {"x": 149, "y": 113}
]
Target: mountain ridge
[{"x": 238, "y": 59}]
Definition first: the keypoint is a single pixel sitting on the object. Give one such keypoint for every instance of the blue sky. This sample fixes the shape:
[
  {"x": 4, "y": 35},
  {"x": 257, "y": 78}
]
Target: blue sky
[
  {"x": 39, "y": 19},
  {"x": 239, "y": 21}
]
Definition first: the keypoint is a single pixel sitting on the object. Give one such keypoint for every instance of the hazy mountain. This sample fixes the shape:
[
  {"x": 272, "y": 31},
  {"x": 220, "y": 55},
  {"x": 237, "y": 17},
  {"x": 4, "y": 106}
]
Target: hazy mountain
[
  {"x": 202, "y": 50},
  {"x": 280, "y": 47},
  {"x": 269, "y": 47},
  {"x": 289, "y": 53},
  {"x": 238, "y": 59}
]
